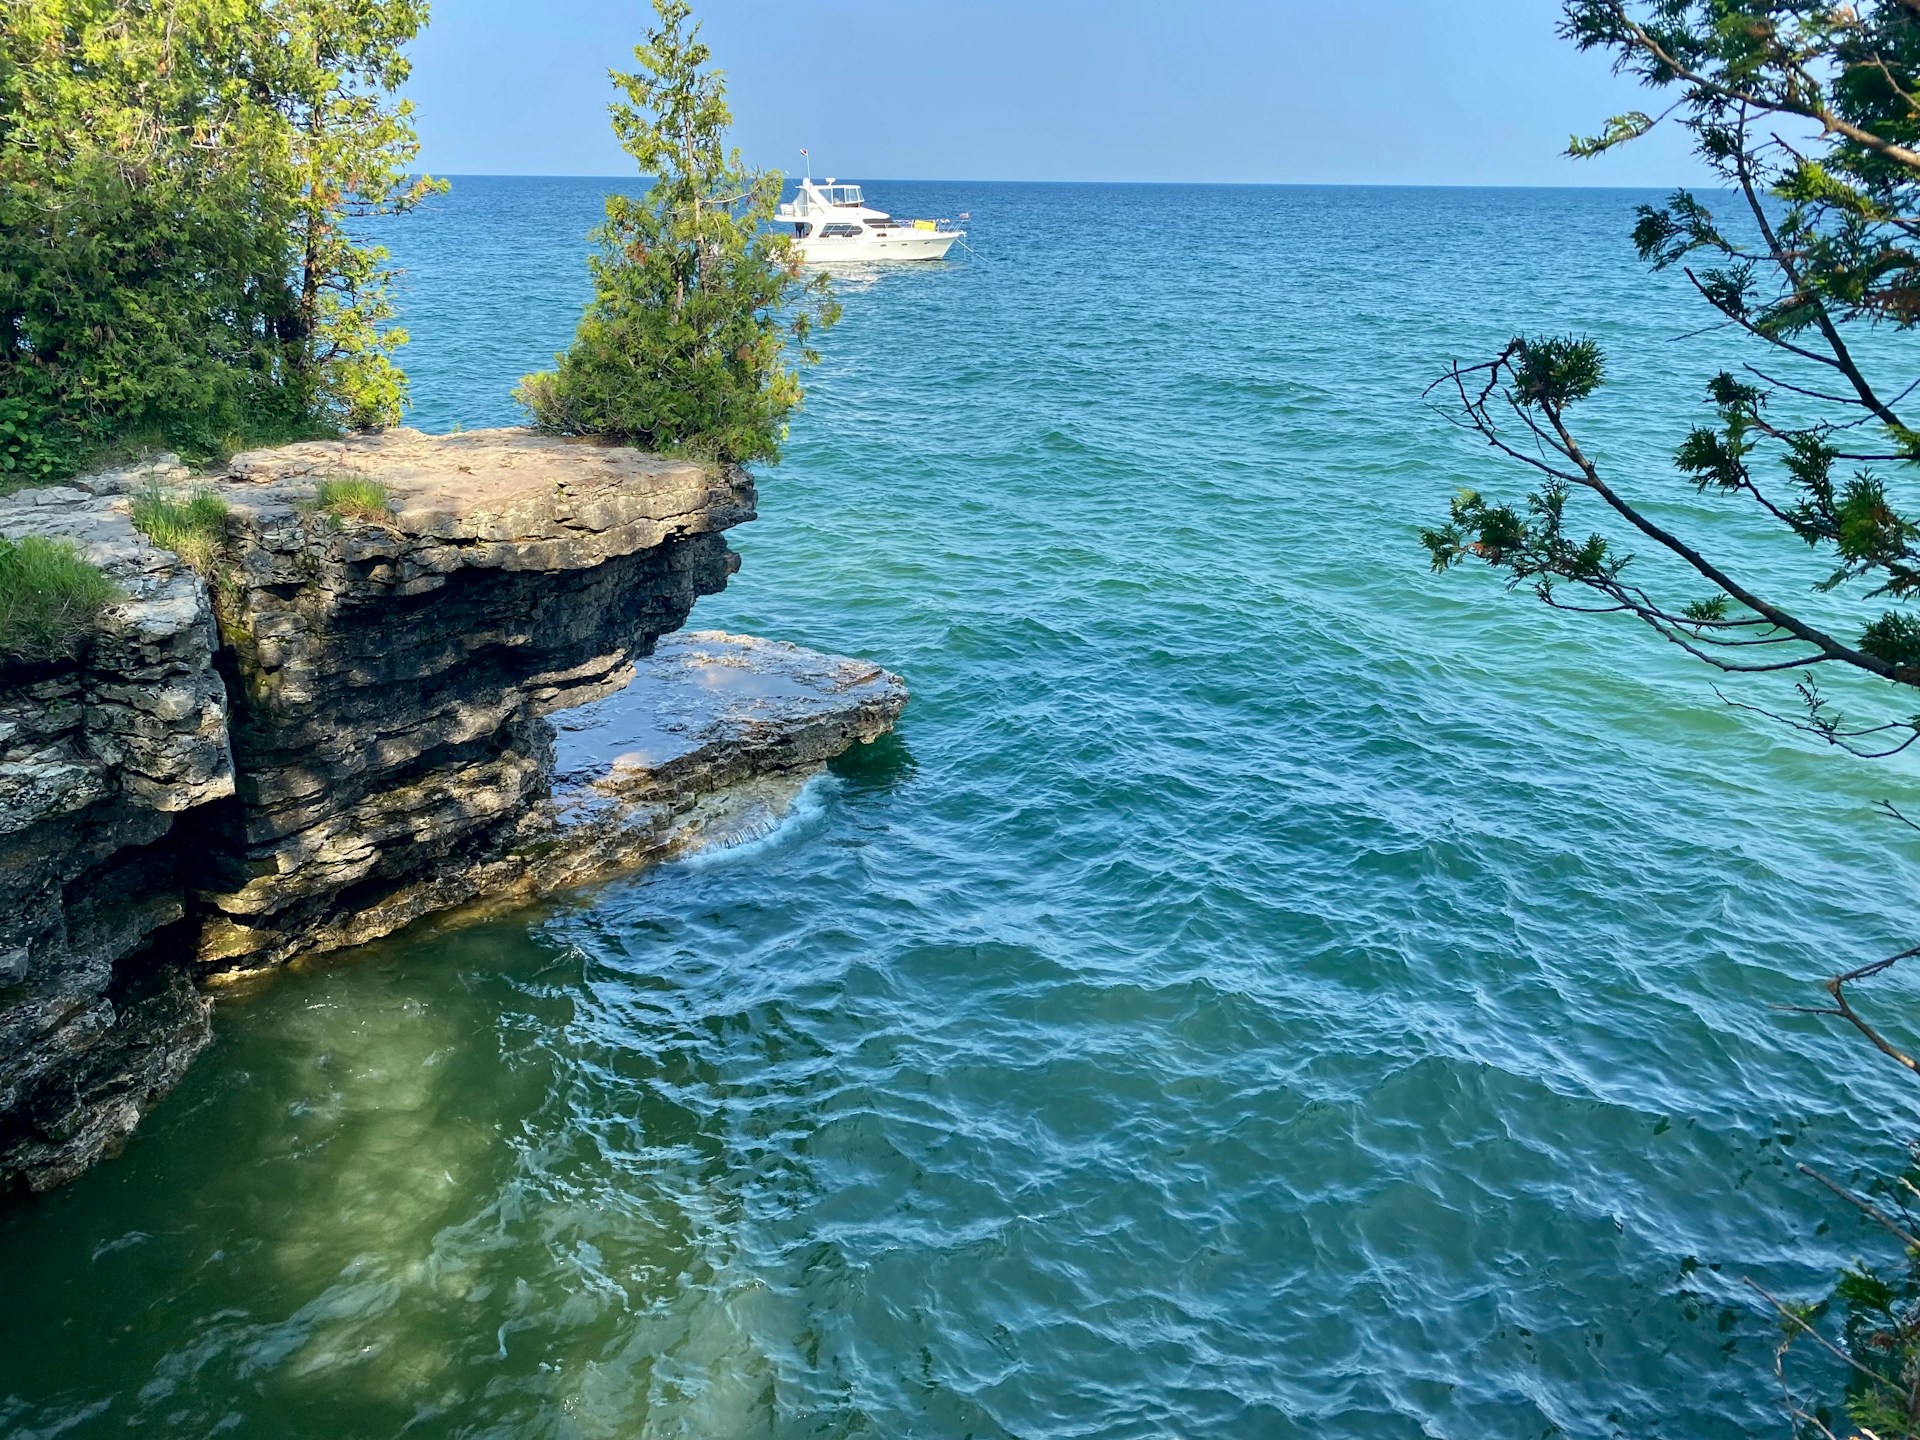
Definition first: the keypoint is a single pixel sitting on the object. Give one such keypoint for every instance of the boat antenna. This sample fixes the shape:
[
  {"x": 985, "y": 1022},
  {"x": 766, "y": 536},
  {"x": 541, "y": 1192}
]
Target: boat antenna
[{"x": 809, "y": 159}]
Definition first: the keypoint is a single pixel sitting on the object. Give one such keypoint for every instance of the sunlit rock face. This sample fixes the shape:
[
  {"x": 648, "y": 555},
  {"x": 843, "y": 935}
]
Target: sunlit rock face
[
  {"x": 709, "y": 746},
  {"x": 101, "y": 761},
  {"x": 364, "y": 739},
  {"x": 389, "y": 676}
]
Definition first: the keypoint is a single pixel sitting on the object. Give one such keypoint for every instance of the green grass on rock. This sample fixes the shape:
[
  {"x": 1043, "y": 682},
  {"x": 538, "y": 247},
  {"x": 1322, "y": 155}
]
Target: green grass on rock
[
  {"x": 353, "y": 497},
  {"x": 193, "y": 526},
  {"x": 50, "y": 597}
]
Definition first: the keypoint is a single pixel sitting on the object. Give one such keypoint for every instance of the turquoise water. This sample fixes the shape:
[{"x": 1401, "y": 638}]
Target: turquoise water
[{"x": 1264, "y": 990}]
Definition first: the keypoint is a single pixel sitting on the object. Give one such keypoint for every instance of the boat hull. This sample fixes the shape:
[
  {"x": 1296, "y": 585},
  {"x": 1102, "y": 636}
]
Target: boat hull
[{"x": 902, "y": 244}]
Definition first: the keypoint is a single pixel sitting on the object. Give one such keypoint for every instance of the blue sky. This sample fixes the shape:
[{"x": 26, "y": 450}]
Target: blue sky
[{"x": 1458, "y": 92}]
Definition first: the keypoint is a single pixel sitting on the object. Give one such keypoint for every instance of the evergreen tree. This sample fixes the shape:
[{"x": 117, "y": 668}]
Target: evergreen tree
[
  {"x": 685, "y": 346},
  {"x": 350, "y": 152},
  {"x": 1808, "y": 432},
  {"x": 176, "y": 181}
]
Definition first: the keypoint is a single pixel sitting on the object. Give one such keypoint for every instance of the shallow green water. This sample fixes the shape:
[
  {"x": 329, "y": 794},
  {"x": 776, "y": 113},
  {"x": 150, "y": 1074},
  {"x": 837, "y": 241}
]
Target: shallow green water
[{"x": 1264, "y": 990}]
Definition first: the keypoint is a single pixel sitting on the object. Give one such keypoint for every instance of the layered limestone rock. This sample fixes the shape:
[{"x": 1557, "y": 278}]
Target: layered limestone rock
[
  {"x": 101, "y": 761},
  {"x": 709, "y": 746},
  {"x": 364, "y": 740},
  {"x": 390, "y": 675}
]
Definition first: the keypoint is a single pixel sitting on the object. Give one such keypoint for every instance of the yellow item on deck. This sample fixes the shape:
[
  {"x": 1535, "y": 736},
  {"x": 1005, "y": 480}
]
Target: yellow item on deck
[{"x": 926, "y": 225}]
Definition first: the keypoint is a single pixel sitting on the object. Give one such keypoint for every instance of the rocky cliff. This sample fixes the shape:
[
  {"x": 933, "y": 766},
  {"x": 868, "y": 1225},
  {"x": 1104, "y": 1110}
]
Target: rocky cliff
[
  {"x": 362, "y": 739},
  {"x": 100, "y": 763}
]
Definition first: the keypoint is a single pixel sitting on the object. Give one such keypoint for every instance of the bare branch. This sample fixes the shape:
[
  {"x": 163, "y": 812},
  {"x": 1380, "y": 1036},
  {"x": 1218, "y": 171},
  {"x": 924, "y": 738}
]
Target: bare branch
[
  {"x": 1843, "y": 1008},
  {"x": 1786, "y": 1313},
  {"x": 1887, "y": 808},
  {"x": 1866, "y": 1207}
]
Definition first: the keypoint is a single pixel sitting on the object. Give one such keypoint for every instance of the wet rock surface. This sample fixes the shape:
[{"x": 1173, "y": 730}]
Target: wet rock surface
[
  {"x": 709, "y": 745},
  {"x": 364, "y": 739}
]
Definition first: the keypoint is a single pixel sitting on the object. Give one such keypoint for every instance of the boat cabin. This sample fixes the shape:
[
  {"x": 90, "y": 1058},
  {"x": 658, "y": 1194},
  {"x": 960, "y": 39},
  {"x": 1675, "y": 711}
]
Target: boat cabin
[
  {"x": 811, "y": 212},
  {"x": 832, "y": 221}
]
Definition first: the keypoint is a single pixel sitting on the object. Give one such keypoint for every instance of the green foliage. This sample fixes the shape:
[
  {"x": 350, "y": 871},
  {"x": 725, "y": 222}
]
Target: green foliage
[
  {"x": 1708, "y": 611},
  {"x": 50, "y": 596},
  {"x": 1718, "y": 457},
  {"x": 1619, "y": 130},
  {"x": 1894, "y": 637},
  {"x": 126, "y": 257},
  {"x": 28, "y": 456},
  {"x": 352, "y": 497},
  {"x": 1881, "y": 1326},
  {"x": 176, "y": 183},
  {"x": 1806, "y": 435},
  {"x": 1823, "y": 244},
  {"x": 1533, "y": 548},
  {"x": 697, "y": 306},
  {"x": 1877, "y": 1310},
  {"x": 350, "y": 150},
  {"x": 193, "y": 526},
  {"x": 1556, "y": 372}
]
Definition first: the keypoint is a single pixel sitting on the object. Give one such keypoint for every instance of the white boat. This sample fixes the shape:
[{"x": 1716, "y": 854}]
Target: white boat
[{"x": 832, "y": 224}]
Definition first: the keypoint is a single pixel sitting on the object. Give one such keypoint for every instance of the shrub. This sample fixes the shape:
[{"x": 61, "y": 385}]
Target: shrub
[
  {"x": 353, "y": 497},
  {"x": 194, "y": 527},
  {"x": 28, "y": 456},
  {"x": 50, "y": 596},
  {"x": 685, "y": 346}
]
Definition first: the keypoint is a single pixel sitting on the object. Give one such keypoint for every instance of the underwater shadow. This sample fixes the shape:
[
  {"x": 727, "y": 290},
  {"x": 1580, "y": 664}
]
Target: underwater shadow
[{"x": 880, "y": 767}]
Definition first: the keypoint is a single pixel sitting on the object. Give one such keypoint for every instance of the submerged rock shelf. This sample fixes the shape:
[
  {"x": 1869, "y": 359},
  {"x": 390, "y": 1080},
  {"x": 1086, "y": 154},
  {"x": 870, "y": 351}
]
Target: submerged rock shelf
[{"x": 363, "y": 739}]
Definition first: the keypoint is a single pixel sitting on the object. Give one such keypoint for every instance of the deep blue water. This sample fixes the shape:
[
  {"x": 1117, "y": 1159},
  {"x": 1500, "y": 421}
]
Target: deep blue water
[{"x": 1264, "y": 989}]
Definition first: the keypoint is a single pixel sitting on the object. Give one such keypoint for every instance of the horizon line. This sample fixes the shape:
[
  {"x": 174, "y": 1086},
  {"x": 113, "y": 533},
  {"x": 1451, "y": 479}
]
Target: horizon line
[{"x": 1159, "y": 184}]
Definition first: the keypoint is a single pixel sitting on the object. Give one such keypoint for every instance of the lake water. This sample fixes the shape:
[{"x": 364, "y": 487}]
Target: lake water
[{"x": 1263, "y": 990}]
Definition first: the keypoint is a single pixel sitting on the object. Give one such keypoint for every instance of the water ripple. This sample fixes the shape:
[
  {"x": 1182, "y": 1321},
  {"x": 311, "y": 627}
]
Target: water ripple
[{"x": 1264, "y": 990}]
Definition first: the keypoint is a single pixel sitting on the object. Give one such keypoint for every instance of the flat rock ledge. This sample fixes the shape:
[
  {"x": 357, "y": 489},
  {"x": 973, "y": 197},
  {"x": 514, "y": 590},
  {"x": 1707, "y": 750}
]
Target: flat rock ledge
[
  {"x": 708, "y": 748},
  {"x": 470, "y": 701}
]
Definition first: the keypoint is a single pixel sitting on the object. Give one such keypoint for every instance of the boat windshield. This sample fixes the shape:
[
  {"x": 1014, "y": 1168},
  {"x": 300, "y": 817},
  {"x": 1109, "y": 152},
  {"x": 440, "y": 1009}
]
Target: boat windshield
[{"x": 841, "y": 194}]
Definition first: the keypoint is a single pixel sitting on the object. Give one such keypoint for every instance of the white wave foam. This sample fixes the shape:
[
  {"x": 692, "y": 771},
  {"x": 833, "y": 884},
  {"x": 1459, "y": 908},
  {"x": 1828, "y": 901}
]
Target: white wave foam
[{"x": 766, "y": 825}]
